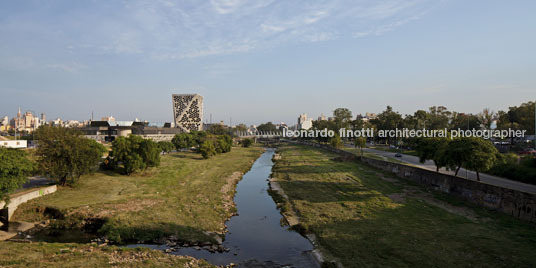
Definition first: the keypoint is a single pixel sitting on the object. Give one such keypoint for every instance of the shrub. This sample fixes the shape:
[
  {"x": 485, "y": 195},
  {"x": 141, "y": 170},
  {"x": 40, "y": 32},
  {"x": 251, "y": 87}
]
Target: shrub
[
  {"x": 183, "y": 141},
  {"x": 208, "y": 144},
  {"x": 14, "y": 170},
  {"x": 207, "y": 149},
  {"x": 135, "y": 153},
  {"x": 336, "y": 142},
  {"x": 508, "y": 166},
  {"x": 247, "y": 142},
  {"x": 223, "y": 143},
  {"x": 166, "y": 146},
  {"x": 198, "y": 137},
  {"x": 133, "y": 163},
  {"x": 150, "y": 152}
]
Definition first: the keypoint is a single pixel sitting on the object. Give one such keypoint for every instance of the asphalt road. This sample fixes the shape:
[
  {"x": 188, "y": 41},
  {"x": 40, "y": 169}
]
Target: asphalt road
[
  {"x": 463, "y": 173},
  {"x": 37, "y": 181}
]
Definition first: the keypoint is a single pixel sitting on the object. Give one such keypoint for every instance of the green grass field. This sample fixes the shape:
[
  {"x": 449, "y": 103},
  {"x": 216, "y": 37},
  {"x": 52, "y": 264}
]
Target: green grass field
[
  {"x": 186, "y": 196},
  {"x": 357, "y": 151},
  {"x": 363, "y": 217},
  {"x": 81, "y": 256},
  {"x": 387, "y": 149}
]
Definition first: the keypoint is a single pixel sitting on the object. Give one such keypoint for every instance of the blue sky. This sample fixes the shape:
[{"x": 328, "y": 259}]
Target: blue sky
[{"x": 264, "y": 60}]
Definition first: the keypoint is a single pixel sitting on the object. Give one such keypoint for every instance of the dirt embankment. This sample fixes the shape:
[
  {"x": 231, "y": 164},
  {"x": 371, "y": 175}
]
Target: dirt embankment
[{"x": 228, "y": 190}]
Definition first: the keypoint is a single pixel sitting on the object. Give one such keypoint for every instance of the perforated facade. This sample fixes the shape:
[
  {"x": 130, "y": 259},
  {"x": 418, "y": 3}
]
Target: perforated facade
[{"x": 188, "y": 111}]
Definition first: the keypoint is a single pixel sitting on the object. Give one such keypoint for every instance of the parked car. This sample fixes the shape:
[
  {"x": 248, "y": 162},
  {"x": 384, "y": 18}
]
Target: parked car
[{"x": 398, "y": 155}]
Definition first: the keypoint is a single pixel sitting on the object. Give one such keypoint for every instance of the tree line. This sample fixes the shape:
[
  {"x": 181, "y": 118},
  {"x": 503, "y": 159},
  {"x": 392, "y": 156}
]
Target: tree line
[
  {"x": 471, "y": 153},
  {"x": 436, "y": 118},
  {"x": 206, "y": 143}
]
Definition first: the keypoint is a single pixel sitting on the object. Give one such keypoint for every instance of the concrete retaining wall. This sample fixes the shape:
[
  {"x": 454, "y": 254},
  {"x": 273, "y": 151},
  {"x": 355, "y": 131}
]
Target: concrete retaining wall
[
  {"x": 23, "y": 197},
  {"x": 512, "y": 202},
  {"x": 159, "y": 137}
]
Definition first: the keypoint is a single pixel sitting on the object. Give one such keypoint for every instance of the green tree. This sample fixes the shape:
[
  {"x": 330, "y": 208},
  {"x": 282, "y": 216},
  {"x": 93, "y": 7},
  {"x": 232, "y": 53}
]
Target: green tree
[
  {"x": 15, "y": 167},
  {"x": 225, "y": 143},
  {"x": 150, "y": 152},
  {"x": 432, "y": 149},
  {"x": 207, "y": 149},
  {"x": 388, "y": 120},
  {"x": 456, "y": 154},
  {"x": 135, "y": 153},
  {"x": 486, "y": 117},
  {"x": 421, "y": 117},
  {"x": 343, "y": 117},
  {"x": 438, "y": 117},
  {"x": 465, "y": 121},
  {"x": 222, "y": 143},
  {"x": 267, "y": 127},
  {"x": 336, "y": 142},
  {"x": 217, "y": 129},
  {"x": 166, "y": 146},
  {"x": 247, "y": 142},
  {"x": 124, "y": 152},
  {"x": 359, "y": 124},
  {"x": 183, "y": 141},
  {"x": 324, "y": 124},
  {"x": 64, "y": 154},
  {"x": 133, "y": 163},
  {"x": 482, "y": 155},
  {"x": 198, "y": 137},
  {"x": 360, "y": 142},
  {"x": 521, "y": 117},
  {"x": 241, "y": 128}
]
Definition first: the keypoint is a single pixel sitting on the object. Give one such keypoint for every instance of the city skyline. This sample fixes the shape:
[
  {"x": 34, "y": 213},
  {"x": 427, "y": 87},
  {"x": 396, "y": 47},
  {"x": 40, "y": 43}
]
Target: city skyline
[{"x": 255, "y": 62}]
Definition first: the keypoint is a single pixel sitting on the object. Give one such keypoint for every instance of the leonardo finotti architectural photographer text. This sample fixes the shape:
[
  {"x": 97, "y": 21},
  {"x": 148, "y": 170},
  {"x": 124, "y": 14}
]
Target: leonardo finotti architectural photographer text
[{"x": 406, "y": 133}]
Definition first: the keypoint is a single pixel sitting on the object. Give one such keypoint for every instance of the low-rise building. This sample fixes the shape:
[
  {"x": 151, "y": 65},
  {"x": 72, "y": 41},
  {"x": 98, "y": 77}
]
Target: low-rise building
[
  {"x": 14, "y": 143},
  {"x": 4, "y": 124},
  {"x": 304, "y": 122},
  {"x": 108, "y": 130},
  {"x": 25, "y": 122}
]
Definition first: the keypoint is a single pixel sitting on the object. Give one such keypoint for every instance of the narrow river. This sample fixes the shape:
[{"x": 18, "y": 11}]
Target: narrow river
[{"x": 256, "y": 236}]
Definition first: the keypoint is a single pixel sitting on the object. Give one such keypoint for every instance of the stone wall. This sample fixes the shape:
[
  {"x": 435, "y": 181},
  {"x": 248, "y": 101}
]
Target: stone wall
[{"x": 512, "y": 202}]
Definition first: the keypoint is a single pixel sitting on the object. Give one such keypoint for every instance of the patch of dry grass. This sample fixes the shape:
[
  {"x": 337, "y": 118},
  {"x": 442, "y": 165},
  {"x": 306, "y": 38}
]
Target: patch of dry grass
[{"x": 182, "y": 197}]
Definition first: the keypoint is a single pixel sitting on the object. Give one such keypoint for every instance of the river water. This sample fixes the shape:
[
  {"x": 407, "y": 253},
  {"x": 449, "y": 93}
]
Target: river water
[{"x": 256, "y": 233}]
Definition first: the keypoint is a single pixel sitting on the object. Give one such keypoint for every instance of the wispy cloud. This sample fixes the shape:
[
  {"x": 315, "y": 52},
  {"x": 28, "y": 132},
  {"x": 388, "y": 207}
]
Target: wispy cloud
[
  {"x": 171, "y": 30},
  {"x": 66, "y": 67},
  {"x": 18, "y": 63}
]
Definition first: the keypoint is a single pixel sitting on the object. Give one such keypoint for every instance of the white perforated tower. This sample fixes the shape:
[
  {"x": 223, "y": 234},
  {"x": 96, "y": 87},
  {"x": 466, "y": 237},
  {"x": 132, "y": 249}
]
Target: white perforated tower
[{"x": 188, "y": 111}]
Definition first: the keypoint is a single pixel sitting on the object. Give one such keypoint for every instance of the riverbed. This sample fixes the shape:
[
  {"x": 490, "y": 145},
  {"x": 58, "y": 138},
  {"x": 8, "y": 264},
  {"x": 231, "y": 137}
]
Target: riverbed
[{"x": 256, "y": 234}]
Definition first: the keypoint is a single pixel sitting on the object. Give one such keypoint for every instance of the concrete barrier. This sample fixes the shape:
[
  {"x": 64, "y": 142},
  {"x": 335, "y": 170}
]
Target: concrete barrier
[
  {"x": 512, "y": 202},
  {"x": 23, "y": 197}
]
